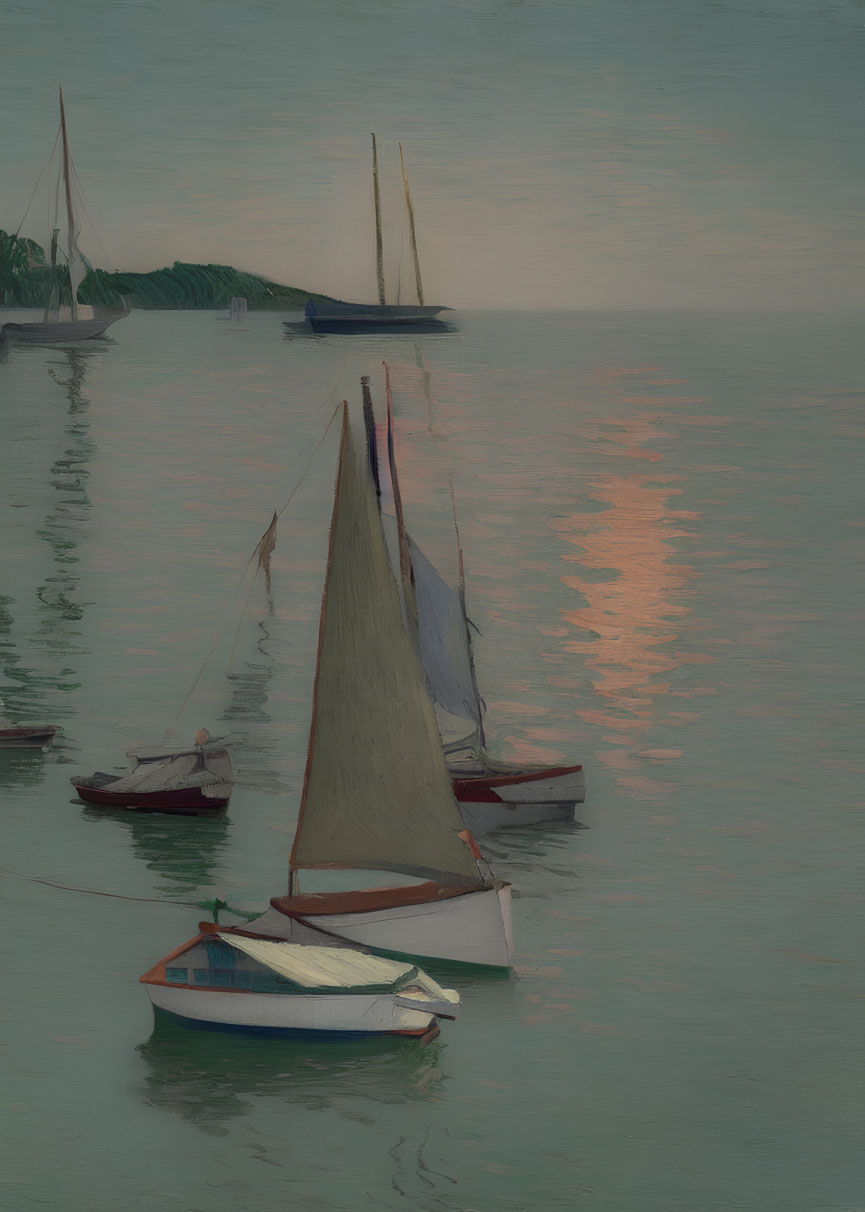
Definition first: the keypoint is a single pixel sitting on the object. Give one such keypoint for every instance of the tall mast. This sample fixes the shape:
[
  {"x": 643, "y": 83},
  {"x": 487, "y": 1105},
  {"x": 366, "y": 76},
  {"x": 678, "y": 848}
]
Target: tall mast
[
  {"x": 405, "y": 568},
  {"x": 379, "y": 259},
  {"x": 71, "y": 248},
  {"x": 461, "y": 572},
  {"x": 410, "y": 210}
]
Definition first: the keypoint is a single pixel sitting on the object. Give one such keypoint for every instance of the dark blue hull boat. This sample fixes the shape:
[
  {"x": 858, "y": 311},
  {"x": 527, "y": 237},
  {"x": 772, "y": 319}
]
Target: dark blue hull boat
[{"x": 370, "y": 317}]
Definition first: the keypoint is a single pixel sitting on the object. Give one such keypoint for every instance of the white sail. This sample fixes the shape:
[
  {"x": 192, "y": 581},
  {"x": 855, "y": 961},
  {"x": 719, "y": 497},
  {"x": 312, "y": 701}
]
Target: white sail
[
  {"x": 377, "y": 793},
  {"x": 444, "y": 641},
  {"x": 433, "y": 613}
]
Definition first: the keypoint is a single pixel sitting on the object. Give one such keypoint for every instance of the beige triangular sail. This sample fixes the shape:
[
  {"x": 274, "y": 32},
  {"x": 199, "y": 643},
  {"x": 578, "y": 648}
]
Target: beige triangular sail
[{"x": 376, "y": 794}]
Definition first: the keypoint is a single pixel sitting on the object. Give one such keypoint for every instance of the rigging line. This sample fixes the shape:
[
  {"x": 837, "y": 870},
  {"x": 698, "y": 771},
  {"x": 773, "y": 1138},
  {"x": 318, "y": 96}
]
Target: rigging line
[
  {"x": 312, "y": 456},
  {"x": 45, "y": 168},
  {"x": 279, "y": 514},
  {"x": 81, "y": 199},
  {"x": 214, "y": 906}
]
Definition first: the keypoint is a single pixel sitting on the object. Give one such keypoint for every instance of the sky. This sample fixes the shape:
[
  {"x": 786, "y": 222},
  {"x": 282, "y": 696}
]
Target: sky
[{"x": 562, "y": 153}]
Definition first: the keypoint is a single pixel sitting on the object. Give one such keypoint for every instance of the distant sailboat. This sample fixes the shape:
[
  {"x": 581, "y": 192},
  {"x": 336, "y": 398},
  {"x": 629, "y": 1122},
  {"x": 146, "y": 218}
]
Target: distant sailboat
[
  {"x": 491, "y": 794},
  {"x": 359, "y": 317},
  {"x": 377, "y": 795},
  {"x": 52, "y": 329}
]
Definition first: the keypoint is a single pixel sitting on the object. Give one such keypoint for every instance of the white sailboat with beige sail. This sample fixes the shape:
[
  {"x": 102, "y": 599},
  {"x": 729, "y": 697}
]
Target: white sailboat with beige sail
[{"x": 377, "y": 795}]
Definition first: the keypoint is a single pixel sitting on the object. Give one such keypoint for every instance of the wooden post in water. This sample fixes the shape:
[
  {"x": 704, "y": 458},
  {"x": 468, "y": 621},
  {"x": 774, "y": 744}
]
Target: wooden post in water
[{"x": 379, "y": 251}]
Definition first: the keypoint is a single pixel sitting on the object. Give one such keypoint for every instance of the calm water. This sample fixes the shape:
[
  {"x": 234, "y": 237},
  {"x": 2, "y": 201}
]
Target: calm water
[{"x": 662, "y": 521}]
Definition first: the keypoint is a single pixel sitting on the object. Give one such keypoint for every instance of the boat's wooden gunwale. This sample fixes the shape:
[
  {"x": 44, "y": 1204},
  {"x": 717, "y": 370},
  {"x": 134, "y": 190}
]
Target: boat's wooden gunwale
[
  {"x": 365, "y": 900},
  {"x": 477, "y": 782}
]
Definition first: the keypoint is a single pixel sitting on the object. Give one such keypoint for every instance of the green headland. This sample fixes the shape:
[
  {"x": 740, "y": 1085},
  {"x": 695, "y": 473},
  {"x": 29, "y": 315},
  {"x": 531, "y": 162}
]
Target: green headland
[{"x": 26, "y": 280}]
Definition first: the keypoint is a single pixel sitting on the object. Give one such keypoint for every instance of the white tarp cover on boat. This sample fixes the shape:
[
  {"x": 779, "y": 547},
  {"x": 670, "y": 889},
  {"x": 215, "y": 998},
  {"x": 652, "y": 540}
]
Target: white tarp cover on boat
[
  {"x": 377, "y": 793},
  {"x": 317, "y": 967},
  {"x": 211, "y": 771}
]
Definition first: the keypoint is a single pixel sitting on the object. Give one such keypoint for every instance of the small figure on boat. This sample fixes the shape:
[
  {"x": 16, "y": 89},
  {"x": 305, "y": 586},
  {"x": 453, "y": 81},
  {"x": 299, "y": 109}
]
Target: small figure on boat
[{"x": 191, "y": 781}]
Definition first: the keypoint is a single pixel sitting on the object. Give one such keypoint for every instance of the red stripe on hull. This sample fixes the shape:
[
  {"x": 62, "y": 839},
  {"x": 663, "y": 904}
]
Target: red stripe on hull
[
  {"x": 187, "y": 802},
  {"x": 483, "y": 790}
]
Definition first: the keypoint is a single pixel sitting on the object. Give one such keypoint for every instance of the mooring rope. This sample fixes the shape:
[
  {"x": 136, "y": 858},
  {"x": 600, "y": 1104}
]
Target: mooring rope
[{"x": 214, "y": 906}]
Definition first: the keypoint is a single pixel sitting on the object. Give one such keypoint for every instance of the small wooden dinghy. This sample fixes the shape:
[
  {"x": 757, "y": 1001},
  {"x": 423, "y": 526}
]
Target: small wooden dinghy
[
  {"x": 195, "y": 781},
  {"x": 235, "y": 980},
  {"x": 25, "y": 736},
  {"x": 491, "y": 794}
]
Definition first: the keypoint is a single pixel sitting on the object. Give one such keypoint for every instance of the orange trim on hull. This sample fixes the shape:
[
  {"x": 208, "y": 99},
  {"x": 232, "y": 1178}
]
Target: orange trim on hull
[{"x": 156, "y": 975}]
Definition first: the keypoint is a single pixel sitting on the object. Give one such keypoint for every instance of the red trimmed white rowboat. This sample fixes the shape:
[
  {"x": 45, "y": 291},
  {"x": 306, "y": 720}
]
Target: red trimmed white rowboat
[
  {"x": 491, "y": 794},
  {"x": 521, "y": 798}
]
